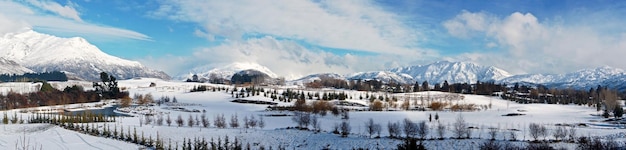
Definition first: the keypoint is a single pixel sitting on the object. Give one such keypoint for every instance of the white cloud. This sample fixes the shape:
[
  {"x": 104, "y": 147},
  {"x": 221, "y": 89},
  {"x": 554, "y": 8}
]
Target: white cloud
[
  {"x": 9, "y": 25},
  {"x": 466, "y": 24},
  {"x": 355, "y": 25},
  {"x": 30, "y": 17},
  {"x": 535, "y": 46},
  {"x": 284, "y": 57},
  {"x": 67, "y": 11}
]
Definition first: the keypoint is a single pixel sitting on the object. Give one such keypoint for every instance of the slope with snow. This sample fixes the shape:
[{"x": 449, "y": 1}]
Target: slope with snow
[
  {"x": 586, "y": 78},
  {"x": 44, "y": 53},
  {"x": 384, "y": 76},
  {"x": 11, "y": 67},
  {"x": 453, "y": 72},
  {"x": 225, "y": 72}
]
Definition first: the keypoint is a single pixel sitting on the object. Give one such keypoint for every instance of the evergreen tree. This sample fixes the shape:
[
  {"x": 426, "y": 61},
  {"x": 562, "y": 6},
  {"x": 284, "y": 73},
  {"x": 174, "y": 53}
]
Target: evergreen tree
[
  {"x": 135, "y": 138},
  {"x": 5, "y": 119},
  {"x": 618, "y": 111}
]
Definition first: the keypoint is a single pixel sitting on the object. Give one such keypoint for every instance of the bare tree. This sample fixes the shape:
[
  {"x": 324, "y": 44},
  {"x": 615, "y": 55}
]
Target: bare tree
[
  {"x": 252, "y": 121},
  {"x": 205, "y": 120},
  {"x": 316, "y": 124},
  {"x": 441, "y": 130},
  {"x": 168, "y": 120},
  {"x": 345, "y": 129},
  {"x": 234, "y": 122},
  {"x": 512, "y": 136},
  {"x": 559, "y": 133},
  {"x": 393, "y": 129},
  {"x": 461, "y": 127},
  {"x": 261, "y": 122},
  {"x": 377, "y": 129},
  {"x": 219, "y": 121},
  {"x": 410, "y": 128},
  {"x": 493, "y": 132},
  {"x": 141, "y": 120},
  {"x": 534, "y": 130},
  {"x": 246, "y": 123},
  {"x": 543, "y": 132},
  {"x": 572, "y": 134},
  {"x": 422, "y": 130},
  {"x": 159, "y": 120},
  {"x": 369, "y": 127},
  {"x": 302, "y": 119},
  {"x": 190, "y": 121},
  {"x": 148, "y": 119}
]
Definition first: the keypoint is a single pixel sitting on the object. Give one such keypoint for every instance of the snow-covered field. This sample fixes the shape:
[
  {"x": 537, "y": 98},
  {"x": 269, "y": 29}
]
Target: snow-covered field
[{"x": 275, "y": 132}]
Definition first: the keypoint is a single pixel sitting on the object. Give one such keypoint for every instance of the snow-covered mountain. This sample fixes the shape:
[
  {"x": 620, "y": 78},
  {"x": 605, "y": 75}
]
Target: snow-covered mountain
[
  {"x": 76, "y": 56},
  {"x": 11, "y": 67},
  {"x": 225, "y": 72},
  {"x": 453, "y": 72},
  {"x": 384, "y": 76},
  {"x": 586, "y": 78}
]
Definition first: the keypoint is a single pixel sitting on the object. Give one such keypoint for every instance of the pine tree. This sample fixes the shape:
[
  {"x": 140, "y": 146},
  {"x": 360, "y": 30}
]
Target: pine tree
[
  {"x": 115, "y": 131},
  {"x": 143, "y": 139},
  {"x": 5, "y": 119},
  {"x": 121, "y": 133},
  {"x": 618, "y": 111},
  {"x": 158, "y": 144},
  {"x": 135, "y": 139}
]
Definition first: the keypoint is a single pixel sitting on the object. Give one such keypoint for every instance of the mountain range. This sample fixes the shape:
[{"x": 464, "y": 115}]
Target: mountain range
[
  {"x": 75, "y": 56},
  {"x": 31, "y": 51},
  {"x": 452, "y": 72}
]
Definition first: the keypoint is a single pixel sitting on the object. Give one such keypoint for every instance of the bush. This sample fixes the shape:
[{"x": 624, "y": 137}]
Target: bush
[
  {"x": 436, "y": 106},
  {"x": 585, "y": 143},
  {"x": 376, "y": 106},
  {"x": 490, "y": 145},
  {"x": 539, "y": 146},
  {"x": 463, "y": 107},
  {"x": 410, "y": 144}
]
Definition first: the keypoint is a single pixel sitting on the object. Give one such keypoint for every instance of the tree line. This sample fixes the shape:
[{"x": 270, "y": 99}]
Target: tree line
[{"x": 31, "y": 77}]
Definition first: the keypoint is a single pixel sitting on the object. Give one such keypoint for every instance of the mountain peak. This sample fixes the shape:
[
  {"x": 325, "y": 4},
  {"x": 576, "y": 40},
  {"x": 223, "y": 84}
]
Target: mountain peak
[
  {"x": 43, "y": 53},
  {"x": 226, "y": 71}
]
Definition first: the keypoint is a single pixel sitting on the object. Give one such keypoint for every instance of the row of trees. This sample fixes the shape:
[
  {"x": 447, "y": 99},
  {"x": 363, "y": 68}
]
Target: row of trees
[
  {"x": 31, "y": 77},
  {"x": 219, "y": 121},
  {"x": 47, "y": 96}
]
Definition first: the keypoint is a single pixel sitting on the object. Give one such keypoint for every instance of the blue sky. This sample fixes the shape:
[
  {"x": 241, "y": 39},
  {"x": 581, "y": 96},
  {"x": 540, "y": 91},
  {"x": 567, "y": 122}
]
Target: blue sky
[{"x": 295, "y": 37}]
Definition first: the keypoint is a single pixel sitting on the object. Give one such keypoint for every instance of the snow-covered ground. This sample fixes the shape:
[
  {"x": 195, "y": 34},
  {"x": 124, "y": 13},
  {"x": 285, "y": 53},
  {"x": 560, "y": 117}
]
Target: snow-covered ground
[
  {"x": 275, "y": 132},
  {"x": 46, "y": 136}
]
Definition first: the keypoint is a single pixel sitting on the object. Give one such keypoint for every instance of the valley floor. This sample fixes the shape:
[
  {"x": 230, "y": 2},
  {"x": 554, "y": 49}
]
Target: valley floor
[{"x": 276, "y": 133}]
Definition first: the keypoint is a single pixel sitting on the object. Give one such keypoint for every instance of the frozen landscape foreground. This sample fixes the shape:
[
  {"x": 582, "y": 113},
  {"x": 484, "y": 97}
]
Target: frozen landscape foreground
[{"x": 278, "y": 130}]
